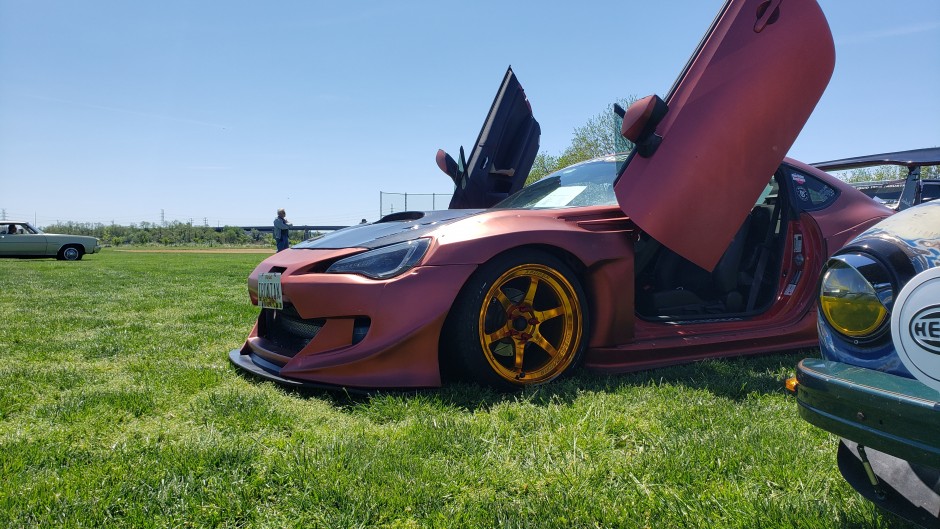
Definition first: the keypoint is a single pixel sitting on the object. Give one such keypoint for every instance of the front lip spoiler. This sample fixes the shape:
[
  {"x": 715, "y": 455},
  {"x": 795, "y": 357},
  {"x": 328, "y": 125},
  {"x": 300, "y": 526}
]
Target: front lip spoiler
[{"x": 261, "y": 368}]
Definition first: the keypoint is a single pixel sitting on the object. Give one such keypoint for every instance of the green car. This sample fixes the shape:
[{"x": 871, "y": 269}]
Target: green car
[
  {"x": 877, "y": 385},
  {"x": 22, "y": 239}
]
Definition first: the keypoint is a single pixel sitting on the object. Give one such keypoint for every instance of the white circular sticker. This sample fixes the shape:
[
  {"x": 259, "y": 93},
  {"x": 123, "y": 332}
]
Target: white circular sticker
[{"x": 915, "y": 327}]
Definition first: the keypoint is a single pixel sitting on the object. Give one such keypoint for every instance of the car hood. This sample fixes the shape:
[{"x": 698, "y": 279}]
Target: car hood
[
  {"x": 728, "y": 122},
  {"x": 390, "y": 229}
]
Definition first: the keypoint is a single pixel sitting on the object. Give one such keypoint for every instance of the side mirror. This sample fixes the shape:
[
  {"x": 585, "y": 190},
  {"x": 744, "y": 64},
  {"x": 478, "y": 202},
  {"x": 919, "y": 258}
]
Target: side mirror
[
  {"x": 456, "y": 170},
  {"x": 447, "y": 164},
  {"x": 640, "y": 121}
]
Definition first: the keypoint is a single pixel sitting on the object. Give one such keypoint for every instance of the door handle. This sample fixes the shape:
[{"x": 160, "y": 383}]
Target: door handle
[{"x": 767, "y": 13}]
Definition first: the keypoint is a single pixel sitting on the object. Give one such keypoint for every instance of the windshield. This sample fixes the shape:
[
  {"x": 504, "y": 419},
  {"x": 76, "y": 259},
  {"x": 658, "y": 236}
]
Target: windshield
[{"x": 589, "y": 183}]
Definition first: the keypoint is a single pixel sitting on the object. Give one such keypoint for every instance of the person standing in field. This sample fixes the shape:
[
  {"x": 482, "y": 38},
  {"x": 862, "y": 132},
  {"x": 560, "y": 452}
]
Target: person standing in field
[{"x": 281, "y": 230}]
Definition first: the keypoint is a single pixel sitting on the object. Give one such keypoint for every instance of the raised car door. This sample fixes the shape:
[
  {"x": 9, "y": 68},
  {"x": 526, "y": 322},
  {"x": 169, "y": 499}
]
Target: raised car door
[
  {"x": 503, "y": 153},
  {"x": 729, "y": 120}
]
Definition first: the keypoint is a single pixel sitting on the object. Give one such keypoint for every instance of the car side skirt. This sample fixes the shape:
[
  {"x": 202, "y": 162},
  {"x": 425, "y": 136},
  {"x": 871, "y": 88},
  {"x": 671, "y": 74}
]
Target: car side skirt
[{"x": 702, "y": 340}]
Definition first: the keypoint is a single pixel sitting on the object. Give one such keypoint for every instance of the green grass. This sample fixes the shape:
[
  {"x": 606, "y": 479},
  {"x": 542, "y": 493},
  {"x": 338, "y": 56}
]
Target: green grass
[{"x": 118, "y": 408}]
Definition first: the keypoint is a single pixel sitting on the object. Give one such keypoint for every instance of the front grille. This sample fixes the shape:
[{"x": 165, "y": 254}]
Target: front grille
[{"x": 287, "y": 330}]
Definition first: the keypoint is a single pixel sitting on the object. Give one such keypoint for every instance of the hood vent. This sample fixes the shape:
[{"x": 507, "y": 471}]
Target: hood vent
[{"x": 403, "y": 215}]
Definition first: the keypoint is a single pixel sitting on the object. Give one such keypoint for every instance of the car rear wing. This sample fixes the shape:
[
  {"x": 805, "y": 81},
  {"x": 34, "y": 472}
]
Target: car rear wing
[
  {"x": 909, "y": 159},
  {"x": 912, "y": 192}
]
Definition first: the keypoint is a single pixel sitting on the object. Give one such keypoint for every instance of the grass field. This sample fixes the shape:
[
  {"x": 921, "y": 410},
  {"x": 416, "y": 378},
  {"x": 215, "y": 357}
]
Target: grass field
[{"x": 118, "y": 408}]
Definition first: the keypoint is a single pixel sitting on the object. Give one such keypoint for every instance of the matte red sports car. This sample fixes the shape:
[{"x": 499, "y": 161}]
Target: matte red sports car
[{"x": 703, "y": 241}]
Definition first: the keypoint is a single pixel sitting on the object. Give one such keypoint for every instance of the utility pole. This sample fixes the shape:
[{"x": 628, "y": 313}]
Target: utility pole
[
  {"x": 162, "y": 218},
  {"x": 3, "y": 212}
]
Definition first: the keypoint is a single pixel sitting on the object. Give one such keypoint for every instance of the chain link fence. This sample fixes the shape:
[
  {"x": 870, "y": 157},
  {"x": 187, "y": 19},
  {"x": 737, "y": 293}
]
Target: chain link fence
[{"x": 397, "y": 202}]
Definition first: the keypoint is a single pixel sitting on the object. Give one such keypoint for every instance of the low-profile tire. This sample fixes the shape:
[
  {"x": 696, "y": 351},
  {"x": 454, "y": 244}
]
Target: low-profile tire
[
  {"x": 521, "y": 319},
  {"x": 71, "y": 253}
]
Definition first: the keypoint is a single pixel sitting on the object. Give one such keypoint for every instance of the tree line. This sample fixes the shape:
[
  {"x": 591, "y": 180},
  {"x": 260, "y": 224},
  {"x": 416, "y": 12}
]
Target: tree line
[
  {"x": 169, "y": 234},
  {"x": 886, "y": 172}
]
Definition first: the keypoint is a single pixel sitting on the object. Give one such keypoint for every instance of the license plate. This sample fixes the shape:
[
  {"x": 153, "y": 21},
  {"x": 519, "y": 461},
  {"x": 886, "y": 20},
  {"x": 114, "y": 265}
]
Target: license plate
[{"x": 269, "y": 291}]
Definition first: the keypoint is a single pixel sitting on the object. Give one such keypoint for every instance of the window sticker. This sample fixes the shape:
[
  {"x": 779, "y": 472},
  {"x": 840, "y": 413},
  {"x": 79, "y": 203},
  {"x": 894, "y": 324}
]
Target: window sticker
[
  {"x": 798, "y": 178},
  {"x": 560, "y": 197}
]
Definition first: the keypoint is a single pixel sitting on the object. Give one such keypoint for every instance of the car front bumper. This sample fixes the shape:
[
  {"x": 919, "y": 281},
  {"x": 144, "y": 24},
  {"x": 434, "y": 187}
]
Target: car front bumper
[
  {"x": 890, "y": 425},
  {"x": 370, "y": 334},
  {"x": 892, "y": 414}
]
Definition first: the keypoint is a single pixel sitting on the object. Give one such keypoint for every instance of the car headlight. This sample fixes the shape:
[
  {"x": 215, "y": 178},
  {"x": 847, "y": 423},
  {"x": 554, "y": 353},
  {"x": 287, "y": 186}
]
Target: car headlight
[
  {"x": 854, "y": 295},
  {"x": 383, "y": 263}
]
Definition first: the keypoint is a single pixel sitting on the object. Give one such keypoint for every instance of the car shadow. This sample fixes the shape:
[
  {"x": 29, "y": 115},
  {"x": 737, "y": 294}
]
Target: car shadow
[{"x": 729, "y": 378}]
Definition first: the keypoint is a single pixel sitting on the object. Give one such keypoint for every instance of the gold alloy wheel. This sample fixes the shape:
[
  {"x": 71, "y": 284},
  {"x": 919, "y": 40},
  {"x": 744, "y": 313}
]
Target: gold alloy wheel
[{"x": 530, "y": 324}]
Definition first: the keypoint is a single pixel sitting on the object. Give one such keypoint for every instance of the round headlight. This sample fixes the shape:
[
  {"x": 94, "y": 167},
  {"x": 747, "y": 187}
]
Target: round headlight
[{"x": 850, "y": 303}]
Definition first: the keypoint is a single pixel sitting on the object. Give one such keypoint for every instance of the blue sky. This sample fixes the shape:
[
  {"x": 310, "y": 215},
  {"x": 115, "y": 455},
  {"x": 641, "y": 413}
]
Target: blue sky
[{"x": 221, "y": 112}]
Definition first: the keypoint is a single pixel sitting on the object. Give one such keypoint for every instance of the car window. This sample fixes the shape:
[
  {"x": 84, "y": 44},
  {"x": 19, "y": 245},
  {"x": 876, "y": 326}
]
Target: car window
[
  {"x": 930, "y": 191},
  {"x": 811, "y": 193},
  {"x": 588, "y": 183}
]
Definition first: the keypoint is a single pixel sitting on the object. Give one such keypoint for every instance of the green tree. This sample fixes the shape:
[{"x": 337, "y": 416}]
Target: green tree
[
  {"x": 599, "y": 136},
  {"x": 886, "y": 172}
]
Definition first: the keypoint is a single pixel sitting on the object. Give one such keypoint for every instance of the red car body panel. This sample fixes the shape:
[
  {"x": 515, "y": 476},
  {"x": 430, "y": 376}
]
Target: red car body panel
[
  {"x": 407, "y": 312},
  {"x": 717, "y": 133},
  {"x": 713, "y": 162}
]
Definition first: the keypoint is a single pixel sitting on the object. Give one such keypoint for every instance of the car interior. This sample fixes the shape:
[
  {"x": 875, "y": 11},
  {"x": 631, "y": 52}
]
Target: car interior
[{"x": 744, "y": 281}]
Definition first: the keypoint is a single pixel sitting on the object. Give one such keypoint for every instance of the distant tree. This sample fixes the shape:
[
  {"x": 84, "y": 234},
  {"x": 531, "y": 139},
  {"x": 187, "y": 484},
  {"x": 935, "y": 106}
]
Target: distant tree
[
  {"x": 599, "y": 136},
  {"x": 171, "y": 234},
  {"x": 885, "y": 172}
]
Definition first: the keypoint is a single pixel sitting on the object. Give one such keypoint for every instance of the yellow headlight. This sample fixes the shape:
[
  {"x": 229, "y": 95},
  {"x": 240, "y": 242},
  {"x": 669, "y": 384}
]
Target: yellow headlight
[{"x": 849, "y": 302}]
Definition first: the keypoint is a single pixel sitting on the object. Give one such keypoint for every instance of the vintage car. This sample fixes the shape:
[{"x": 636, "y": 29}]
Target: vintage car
[
  {"x": 703, "y": 241},
  {"x": 22, "y": 239},
  {"x": 878, "y": 383}
]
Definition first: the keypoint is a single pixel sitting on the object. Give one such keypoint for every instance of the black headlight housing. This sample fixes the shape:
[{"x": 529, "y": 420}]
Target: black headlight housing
[
  {"x": 858, "y": 287},
  {"x": 385, "y": 262}
]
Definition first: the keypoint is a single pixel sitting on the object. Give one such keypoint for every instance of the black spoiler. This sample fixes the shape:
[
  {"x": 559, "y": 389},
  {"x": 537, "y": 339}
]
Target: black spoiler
[{"x": 909, "y": 159}]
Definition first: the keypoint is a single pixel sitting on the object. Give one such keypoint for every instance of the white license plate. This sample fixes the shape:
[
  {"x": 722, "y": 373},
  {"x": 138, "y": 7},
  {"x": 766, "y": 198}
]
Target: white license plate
[{"x": 269, "y": 291}]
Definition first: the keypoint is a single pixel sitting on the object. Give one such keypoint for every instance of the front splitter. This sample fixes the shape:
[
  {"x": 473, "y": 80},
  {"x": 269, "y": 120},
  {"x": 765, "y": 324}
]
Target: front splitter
[{"x": 261, "y": 368}]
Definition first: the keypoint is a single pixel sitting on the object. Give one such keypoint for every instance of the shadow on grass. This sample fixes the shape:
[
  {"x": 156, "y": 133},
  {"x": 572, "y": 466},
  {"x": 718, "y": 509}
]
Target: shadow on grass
[{"x": 729, "y": 378}]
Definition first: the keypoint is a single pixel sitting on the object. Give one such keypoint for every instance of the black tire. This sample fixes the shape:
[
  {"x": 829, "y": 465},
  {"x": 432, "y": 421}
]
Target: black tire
[
  {"x": 522, "y": 319},
  {"x": 71, "y": 253}
]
